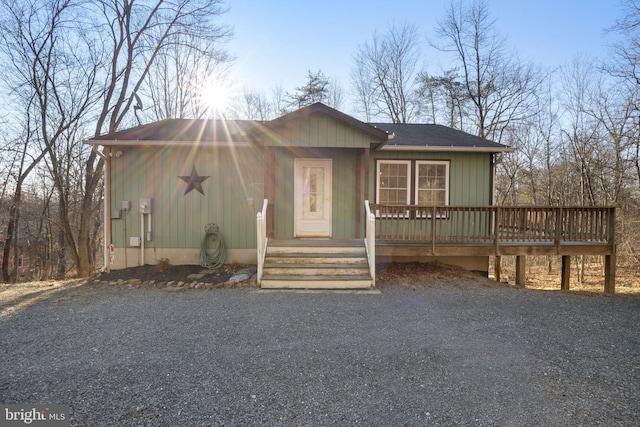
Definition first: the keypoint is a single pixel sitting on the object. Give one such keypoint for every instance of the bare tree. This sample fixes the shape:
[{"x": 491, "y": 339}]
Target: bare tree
[
  {"x": 362, "y": 89},
  {"x": 138, "y": 31},
  {"x": 335, "y": 98},
  {"x": 626, "y": 53},
  {"x": 82, "y": 63},
  {"x": 181, "y": 79},
  {"x": 581, "y": 132},
  {"x": 501, "y": 88},
  {"x": 52, "y": 83},
  {"x": 384, "y": 74},
  {"x": 278, "y": 95},
  {"x": 443, "y": 99},
  {"x": 253, "y": 105}
]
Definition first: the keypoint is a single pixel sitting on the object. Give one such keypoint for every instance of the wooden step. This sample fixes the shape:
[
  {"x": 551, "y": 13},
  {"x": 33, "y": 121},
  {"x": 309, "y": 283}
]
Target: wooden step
[
  {"x": 316, "y": 282},
  {"x": 314, "y": 269},
  {"x": 313, "y": 258},
  {"x": 334, "y": 250},
  {"x": 316, "y": 264}
]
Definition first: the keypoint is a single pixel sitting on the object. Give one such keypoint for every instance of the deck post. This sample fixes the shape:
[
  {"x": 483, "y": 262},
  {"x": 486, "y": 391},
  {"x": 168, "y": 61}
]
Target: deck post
[
  {"x": 498, "y": 269},
  {"x": 520, "y": 270},
  {"x": 610, "y": 274},
  {"x": 433, "y": 230},
  {"x": 559, "y": 222},
  {"x": 566, "y": 272}
]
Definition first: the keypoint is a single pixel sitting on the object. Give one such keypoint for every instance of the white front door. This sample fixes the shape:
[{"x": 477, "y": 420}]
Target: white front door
[{"x": 312, "y": 198}]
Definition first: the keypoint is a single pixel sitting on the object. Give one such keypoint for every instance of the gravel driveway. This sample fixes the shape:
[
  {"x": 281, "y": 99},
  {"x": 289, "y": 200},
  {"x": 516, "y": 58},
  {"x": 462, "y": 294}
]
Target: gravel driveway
[{"x": 433, "y": 355}]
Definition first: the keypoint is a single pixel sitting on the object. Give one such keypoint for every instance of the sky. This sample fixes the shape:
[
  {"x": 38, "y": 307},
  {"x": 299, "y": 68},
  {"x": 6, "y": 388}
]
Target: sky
[{"x": 277, "y": 42}]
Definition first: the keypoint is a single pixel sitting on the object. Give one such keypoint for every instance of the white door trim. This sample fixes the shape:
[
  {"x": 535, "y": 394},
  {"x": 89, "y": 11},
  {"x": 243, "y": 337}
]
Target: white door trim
[{"x": 320, "y": 226}]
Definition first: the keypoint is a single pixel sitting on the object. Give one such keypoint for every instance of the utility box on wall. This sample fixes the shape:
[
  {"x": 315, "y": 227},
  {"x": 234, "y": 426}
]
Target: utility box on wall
[
  {"x": 134, "y": 242},
  {"x": 145, "y": 206}
]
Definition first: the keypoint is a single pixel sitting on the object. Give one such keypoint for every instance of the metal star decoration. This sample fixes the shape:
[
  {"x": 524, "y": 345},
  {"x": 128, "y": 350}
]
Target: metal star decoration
[{"x": 194, "y": 181}]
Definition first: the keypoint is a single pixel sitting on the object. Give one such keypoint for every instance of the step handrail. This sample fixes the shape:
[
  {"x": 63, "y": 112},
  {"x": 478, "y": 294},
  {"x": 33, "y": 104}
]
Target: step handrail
[
  {"x": 370, "y": 240},
  {"x": 262, "y": 240}
]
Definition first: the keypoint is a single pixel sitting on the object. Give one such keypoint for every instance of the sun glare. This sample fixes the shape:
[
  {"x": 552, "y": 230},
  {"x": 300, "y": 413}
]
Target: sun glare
[{"x": 216, "y": 97}]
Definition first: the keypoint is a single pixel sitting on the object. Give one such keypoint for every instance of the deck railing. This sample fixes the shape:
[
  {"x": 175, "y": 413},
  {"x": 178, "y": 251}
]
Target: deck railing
[
  {"x": 261, "y": 228},
  {"x": 494, "y": 224}
]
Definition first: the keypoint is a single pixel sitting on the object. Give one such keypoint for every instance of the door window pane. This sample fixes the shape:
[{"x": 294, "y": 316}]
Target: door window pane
[{"x": 313, "y": 193}]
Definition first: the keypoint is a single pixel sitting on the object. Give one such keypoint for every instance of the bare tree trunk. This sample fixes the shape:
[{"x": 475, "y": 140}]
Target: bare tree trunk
[{"x": 9, "y": 244}]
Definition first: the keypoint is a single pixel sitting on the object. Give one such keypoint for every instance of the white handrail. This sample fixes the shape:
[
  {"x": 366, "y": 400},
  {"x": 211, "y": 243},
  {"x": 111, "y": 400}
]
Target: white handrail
[
  {"x": 370, "y": 240},
  {"x": 261, "y": 229}
]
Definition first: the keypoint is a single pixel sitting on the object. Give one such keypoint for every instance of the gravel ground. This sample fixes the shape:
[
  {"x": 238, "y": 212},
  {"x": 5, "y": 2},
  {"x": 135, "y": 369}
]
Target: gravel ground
[{"x": 434, "y": 354}]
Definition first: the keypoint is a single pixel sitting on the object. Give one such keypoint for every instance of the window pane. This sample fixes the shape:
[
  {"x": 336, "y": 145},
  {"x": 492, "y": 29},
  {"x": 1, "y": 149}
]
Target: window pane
[
  {"x": 393, "y": 183},
  {"x": 313, "y": 193},
  {"x": 431, "y": 183}
]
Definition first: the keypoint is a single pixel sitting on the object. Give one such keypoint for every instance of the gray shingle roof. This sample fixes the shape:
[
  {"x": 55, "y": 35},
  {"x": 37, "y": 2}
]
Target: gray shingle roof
[
  {"x": 187, "y": 130},
  {"x": 406, "y": 136},
  {"x": 410, "y": 135}
]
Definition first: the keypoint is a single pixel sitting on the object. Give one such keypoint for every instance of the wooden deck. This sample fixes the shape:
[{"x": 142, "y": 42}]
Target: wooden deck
[
  {"x": 407, "y": 230},
  {"x": 456, "y": 231}
]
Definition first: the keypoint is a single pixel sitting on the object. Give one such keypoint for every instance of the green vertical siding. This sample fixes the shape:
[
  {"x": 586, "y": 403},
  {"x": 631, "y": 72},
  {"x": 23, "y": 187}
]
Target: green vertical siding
[
  {"x": 343, "y": 202},
  {"x": 469, "y": 174},
  {"x": 236, "y": 174},
  {"x": 178, "y": 220},
  {"x": 319, "y": 132}
]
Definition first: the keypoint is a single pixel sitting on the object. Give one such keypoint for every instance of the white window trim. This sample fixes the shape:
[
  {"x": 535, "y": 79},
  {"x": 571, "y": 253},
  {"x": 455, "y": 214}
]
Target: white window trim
[
  {"x": 401, "y": 162},
  {"x": 446, "y": 184}
]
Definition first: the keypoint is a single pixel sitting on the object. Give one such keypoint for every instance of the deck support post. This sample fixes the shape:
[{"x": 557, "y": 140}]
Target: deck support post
[
  {"x": 610, "y": 274},
  {"x": 498, "y": 269},
  {"x": 566, "y": 272},
  {"x": 520, "y": 270}
]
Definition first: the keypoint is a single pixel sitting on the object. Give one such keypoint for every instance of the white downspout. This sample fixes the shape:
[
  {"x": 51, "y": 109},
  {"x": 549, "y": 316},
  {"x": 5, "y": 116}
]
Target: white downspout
[
  {"x": 141, "y": 238},
  {"x": 149, "y": 227}
]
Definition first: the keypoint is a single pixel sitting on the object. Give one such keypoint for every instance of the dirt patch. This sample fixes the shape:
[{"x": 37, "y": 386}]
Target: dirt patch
[
  {"x": 415, "y": 274},
  {"x": 170, "y": 273}
]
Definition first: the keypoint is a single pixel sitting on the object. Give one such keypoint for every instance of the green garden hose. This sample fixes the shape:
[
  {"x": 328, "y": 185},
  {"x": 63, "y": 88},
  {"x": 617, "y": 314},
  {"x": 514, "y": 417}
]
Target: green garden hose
[{"x": 212, "y": 252}]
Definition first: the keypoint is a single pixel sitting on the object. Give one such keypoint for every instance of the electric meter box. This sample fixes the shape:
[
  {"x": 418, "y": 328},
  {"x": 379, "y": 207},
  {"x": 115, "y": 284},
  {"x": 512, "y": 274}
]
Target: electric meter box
[
  {"x": 145, "y": 206},
  {"x": 134, "y": 242}
]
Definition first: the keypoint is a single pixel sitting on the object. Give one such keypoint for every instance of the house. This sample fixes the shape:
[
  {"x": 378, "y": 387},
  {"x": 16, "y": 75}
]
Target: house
[{"x": 314, "y": 197}]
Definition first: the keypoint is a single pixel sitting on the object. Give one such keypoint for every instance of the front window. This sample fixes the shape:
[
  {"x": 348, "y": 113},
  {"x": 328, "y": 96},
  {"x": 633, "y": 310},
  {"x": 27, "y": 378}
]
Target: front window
[
  {"x": 393, "y": 182},
  {"x": 412, "y": 182},
  {"x": 432, "y": 183}
]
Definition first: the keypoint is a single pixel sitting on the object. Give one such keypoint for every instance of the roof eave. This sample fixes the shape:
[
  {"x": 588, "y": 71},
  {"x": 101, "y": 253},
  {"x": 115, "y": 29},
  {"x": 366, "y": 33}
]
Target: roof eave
[
  {"x": 158, "y": 143},
  {"x": 447, "y": 148}
]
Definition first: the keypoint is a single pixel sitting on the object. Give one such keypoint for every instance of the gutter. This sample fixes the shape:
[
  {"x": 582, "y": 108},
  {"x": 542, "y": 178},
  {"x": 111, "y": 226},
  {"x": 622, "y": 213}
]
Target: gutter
[
  {"x": 441, "y": 148},
  {"x": 143, "y": 143}
]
